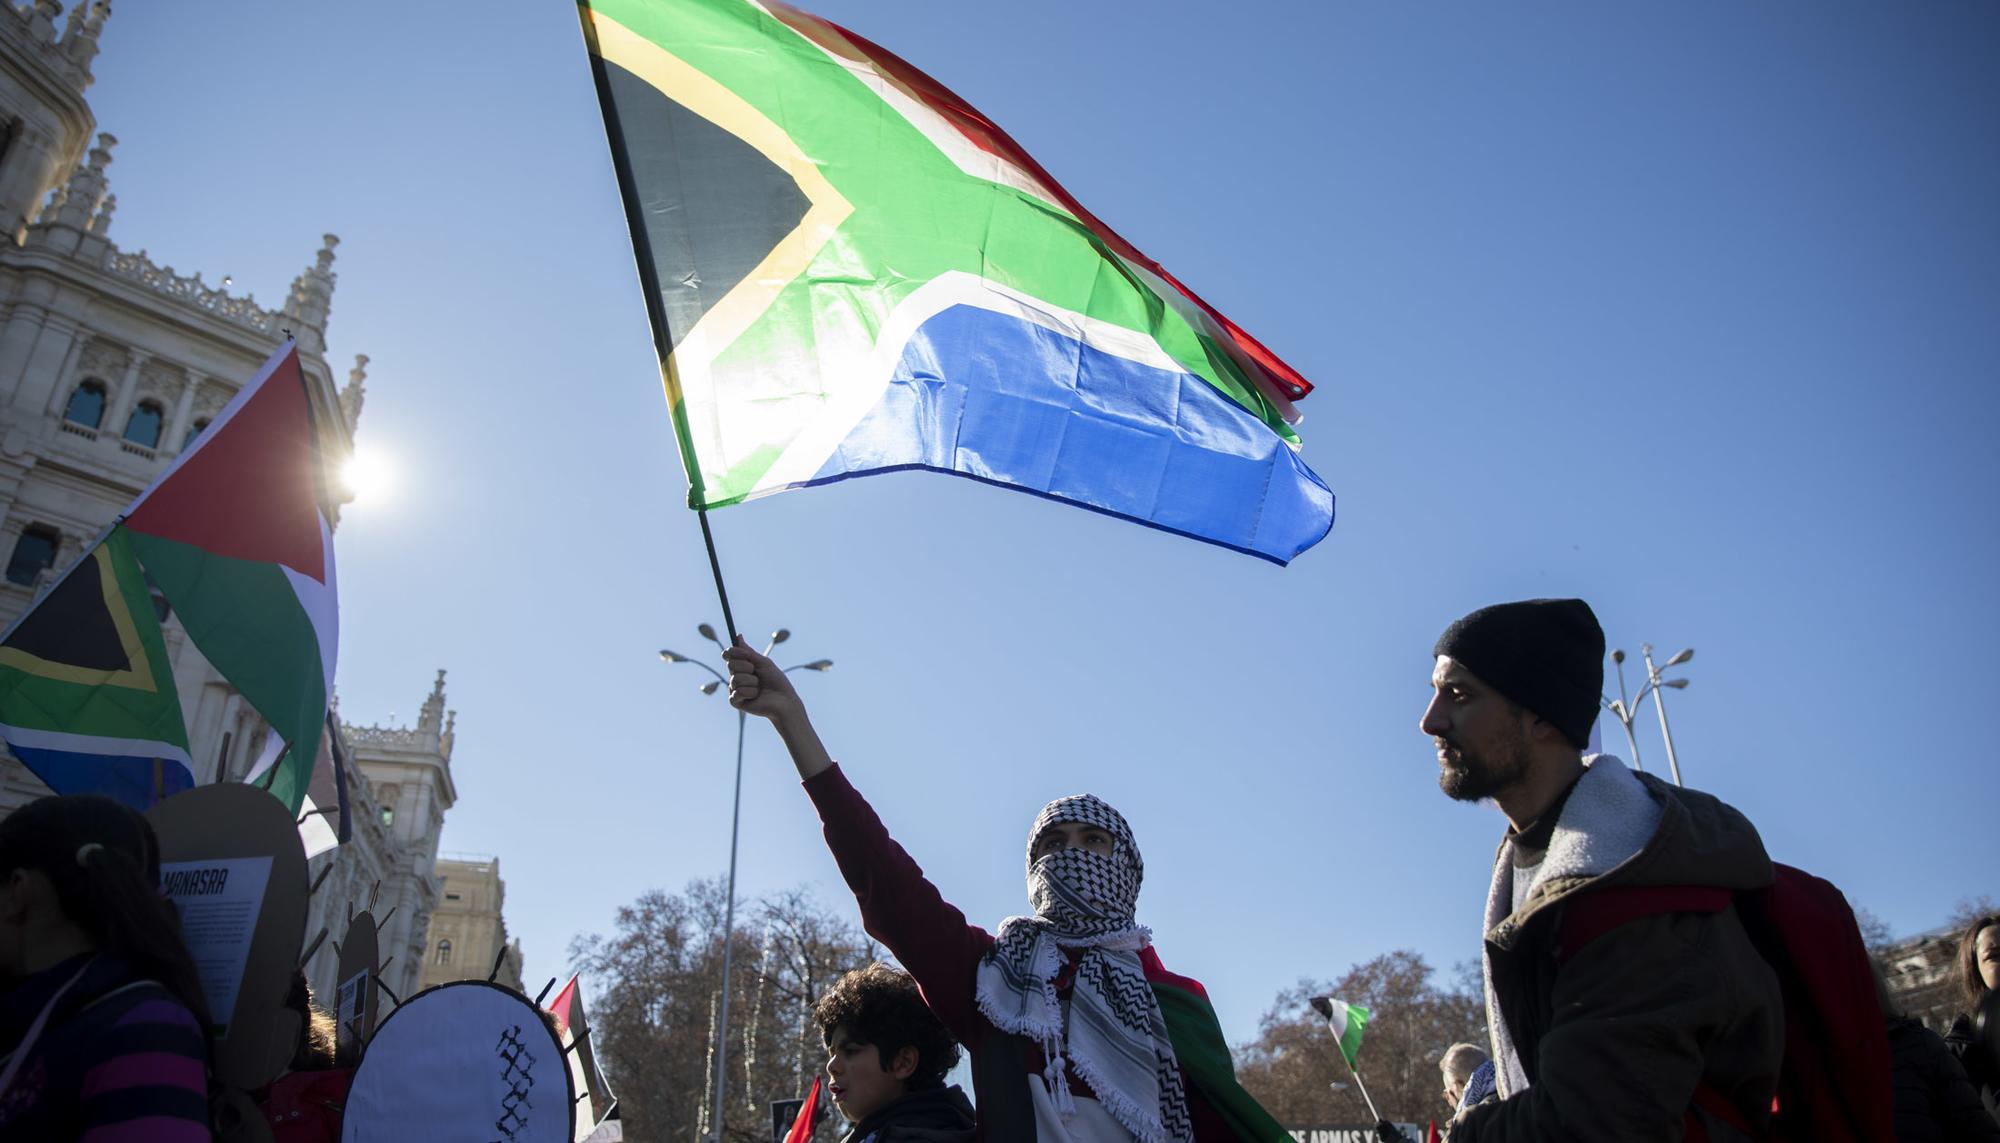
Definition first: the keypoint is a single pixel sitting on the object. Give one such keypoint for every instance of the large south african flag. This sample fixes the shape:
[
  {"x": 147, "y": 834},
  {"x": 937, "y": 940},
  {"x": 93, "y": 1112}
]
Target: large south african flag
[
  {"x": 234, "y": 537},
  {"x": 849, "y": 270}
]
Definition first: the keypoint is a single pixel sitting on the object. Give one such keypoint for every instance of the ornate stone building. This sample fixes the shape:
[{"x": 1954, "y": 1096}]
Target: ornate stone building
[
  {"x": 1921, "y": 976},
  {"x": 406, "y": 775},
  {"x": 109, "y": 366},
  {"x": 468, "y": 938}
]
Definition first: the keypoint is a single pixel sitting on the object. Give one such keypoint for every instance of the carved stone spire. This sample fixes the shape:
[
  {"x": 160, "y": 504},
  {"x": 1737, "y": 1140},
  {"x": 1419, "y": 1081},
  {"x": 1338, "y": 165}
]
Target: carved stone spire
[
  {"x": 311, "y": 299},
  {"x": 76, "y": 203},
  {"x": 42, "y": 20},
  {"x": 432, "y": 716},
  {"x": 450, "y": 734},
  {"x": 355, "y": 393},
  {"x": 101, "y": 224},
  {"x": 79, "y": 40}
]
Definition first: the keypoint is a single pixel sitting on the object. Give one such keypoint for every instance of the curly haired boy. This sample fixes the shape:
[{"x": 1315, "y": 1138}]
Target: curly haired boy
[{"x": 886, "y": 1059}]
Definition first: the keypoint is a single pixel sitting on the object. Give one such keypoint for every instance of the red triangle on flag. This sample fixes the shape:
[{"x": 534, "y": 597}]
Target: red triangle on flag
[
  {"x": 250, "y": 488},
  {"x": 560, "y": 1006},
  {"x": 802, "y": 1127}
]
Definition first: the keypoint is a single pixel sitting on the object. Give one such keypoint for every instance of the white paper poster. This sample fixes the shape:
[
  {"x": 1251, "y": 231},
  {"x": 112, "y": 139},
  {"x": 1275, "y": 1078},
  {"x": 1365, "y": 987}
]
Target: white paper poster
[
  {"x": 350, "y": 1012},
  {"x": 219, "y": 900}
]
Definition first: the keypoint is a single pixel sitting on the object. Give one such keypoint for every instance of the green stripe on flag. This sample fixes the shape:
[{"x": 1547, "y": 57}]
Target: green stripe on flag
[
  {"x": 1348, "y": 1021},
  {"x": 916, "y": 217},
  {"x": 1204, "y": 1056},
  {"x": 89, "y": 659},
  {"x": 247, "y": 620}
]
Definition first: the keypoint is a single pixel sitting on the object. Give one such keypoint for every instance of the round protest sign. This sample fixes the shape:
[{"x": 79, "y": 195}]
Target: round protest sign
[
  {"x": 358, "y": 985},
  {"x": 466, "y": 1061},
  {"x": 232, "y": 864}
]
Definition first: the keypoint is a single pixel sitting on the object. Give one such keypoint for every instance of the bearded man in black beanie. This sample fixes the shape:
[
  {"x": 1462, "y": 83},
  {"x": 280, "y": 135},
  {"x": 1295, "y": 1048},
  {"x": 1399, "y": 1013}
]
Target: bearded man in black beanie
[{"x": 1604, "y": 1026}]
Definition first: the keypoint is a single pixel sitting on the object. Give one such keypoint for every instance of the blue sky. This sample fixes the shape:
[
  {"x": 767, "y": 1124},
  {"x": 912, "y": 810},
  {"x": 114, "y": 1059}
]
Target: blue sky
[{"x": 1692, "y": 311}]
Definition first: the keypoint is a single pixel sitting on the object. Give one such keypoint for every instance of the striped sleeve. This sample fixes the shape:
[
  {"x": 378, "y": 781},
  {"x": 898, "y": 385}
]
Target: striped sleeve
[{"x": 150, "y": 1081}]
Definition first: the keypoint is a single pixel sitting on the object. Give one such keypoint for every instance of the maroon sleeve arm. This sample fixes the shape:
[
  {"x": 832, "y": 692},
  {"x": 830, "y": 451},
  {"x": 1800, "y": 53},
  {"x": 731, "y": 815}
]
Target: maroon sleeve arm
[{"x": 902, "y": 909}]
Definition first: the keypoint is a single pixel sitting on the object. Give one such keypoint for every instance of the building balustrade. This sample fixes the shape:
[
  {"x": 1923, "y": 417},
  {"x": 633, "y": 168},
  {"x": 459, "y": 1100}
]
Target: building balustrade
[{"x": 190, "y": 290}]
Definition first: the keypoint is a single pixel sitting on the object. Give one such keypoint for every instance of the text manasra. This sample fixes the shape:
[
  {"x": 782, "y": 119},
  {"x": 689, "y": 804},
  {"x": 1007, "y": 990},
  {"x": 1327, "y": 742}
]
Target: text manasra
[{"x": 195, "y": 882}]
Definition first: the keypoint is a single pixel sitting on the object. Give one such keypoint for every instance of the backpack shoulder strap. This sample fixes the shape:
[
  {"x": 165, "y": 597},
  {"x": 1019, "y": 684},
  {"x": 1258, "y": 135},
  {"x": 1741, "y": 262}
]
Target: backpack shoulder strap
[{"x": 1593, "y": 913}]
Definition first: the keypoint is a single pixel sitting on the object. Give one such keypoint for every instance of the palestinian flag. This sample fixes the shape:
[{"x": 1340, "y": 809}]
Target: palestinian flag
[
  {"x": 595, "y": 1103},
  {"x": 235, "y": 536},
  {"x": 1204, "y": 1054},
  {"x": 807, "y": 1119},
  {"x": 237, "y": 533},
  {"x": 1347, "y": 1021},
  {"x": 324, "y": 818},
  {"x": 849, "y": 270}
]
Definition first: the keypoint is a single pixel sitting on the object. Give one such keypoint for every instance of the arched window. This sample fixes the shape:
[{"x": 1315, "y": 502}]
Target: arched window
[
  {"x": 143, "y": 429},
  {"x": 444, "y": 951},
  {"x": 35, "y": 550},
  {"x": 194, "y": 430},
  {"x": 86, "y": 405}
]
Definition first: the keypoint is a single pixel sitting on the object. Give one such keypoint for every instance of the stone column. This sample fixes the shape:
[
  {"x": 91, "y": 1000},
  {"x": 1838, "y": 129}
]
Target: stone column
[
  {"x": 127, "y": 395},
  {"x": 183, "y": 412},
  {"x": 11, "y": 528},
  {"x": 12, "y": 473},
  {"x": 66, "y": 376},
  {"x": 53, "y": 352},
  {"x": 30, "y": 309}
]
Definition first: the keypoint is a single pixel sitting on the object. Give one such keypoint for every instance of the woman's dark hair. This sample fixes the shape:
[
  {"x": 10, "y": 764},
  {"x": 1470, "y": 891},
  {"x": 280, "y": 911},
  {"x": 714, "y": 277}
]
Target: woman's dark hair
[
  {"x": 1969, "y": 981},
  {"x": 881, "y": 1007},
  {"x": 104, "y": 862}
]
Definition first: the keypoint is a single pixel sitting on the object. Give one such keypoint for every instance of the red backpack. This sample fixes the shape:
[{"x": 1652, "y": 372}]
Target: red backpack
[{"x": 1834, "y": 1084}]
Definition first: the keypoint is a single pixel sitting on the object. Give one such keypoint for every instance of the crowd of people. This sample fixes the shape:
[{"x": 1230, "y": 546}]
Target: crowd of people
[
  {"x": 105, "y": 1032},
  {"x": 1649, "y": 972}
]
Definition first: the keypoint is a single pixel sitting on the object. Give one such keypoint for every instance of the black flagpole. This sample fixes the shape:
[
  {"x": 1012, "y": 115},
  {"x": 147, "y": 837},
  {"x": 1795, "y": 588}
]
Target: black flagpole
[
  {"x": 715, "y": 566},
  {"x": 649, "y": 277}
]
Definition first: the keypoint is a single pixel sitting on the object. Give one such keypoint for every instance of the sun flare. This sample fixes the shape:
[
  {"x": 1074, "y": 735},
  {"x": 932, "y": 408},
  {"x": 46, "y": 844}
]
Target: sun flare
[{"x": 365, "y": 476}]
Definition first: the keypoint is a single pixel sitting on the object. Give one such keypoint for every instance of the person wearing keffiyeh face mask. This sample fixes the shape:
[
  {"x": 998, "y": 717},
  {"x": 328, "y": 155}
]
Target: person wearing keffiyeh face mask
[{"x": 1076, "y": 1031}]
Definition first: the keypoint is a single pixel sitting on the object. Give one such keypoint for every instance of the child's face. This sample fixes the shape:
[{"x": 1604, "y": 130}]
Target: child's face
[{"x": 860, "y": 1085}]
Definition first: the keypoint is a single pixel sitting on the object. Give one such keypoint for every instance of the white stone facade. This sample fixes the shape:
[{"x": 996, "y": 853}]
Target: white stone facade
[
  {"x": 468, "y": 932},
  {"x": 1921, "y": 976},
  {"x": 156, "y": 353},
  {"x": 406, "y": 773}
]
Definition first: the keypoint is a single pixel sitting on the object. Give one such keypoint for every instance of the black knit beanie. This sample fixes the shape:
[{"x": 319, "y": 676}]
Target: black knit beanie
[{"x": 1545, "y": 654}]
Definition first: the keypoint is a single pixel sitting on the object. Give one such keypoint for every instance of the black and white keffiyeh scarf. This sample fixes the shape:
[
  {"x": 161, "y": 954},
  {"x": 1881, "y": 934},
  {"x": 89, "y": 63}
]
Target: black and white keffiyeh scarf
[{"x": 1117, "y": 1036}]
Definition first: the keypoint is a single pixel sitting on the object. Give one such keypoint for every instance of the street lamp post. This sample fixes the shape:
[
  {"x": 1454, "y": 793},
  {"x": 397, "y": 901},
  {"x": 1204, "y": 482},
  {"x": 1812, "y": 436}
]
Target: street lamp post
[
  {"x": 1621, "y": 708},
  {"x": 1660, "y": 706},
  {"x": 721, "y": 1070},
  {"x": 1626, "y": 711}
]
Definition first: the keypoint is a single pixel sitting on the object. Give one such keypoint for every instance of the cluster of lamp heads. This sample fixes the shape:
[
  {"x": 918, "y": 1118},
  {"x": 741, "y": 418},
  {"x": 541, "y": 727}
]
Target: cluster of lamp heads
[{"x": 708, "y": 632}]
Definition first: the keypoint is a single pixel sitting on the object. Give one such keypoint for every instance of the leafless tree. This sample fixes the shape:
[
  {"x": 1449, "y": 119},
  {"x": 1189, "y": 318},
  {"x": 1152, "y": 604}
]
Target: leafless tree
[
  {"x": 655, "y": 980},
  {"x": 1875, "y": 932},
  {"x": 1293, "y": 1064},
  {"x": 1970, "y": 909}
]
